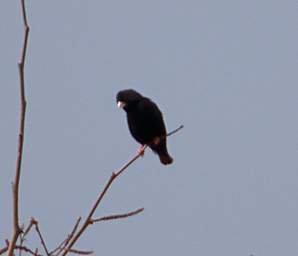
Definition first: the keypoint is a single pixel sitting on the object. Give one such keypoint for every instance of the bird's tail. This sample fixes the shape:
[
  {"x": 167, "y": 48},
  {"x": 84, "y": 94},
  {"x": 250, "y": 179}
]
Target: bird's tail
[
  {"x": 165, "y": 158},
  {"x": 160, "y": 147}
]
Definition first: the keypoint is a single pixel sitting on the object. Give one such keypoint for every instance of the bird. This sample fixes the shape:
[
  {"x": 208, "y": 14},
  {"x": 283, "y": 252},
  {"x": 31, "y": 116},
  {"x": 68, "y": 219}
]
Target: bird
[{"x": 145, "y": 122}]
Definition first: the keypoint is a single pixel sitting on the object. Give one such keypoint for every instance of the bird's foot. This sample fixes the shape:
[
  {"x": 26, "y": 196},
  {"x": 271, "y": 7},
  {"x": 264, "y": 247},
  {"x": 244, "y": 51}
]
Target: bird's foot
[{"x": 141, "y": 151}]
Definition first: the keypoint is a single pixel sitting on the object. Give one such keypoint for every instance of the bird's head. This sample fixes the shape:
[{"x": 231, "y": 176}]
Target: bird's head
[{"x": 128, "y": 98}]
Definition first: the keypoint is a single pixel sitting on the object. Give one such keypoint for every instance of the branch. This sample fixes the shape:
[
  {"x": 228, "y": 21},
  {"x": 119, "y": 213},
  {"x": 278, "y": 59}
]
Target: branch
[
  {"x": 114, "y": 175},
  {"x": 174, "y": 131},
  {"x": 20, "y": 248},
  {"x": 75, "y": 251},
  {"x": 25, "y": 233},
  {"x": 25, "y": 249},
  {"x": 15, "y": 186},
  {"x": 35, "y": 223},
  {"x": 65, "y": 242},
  {"x": 27, "y": 230},
  {"x": 118, "y": 216}
]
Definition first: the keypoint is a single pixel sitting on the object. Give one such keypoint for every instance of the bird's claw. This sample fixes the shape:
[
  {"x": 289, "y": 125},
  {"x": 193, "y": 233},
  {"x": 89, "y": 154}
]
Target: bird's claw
[{"x": 141, "y": 151}]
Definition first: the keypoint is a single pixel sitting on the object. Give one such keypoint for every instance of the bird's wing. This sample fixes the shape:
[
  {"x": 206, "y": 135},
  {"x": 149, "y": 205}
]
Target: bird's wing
[{"x": 152, "y": 117}]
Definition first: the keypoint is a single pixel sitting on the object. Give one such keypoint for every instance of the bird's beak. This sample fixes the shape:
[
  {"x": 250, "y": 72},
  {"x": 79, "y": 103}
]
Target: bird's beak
[{"x": 121, "y": 104}]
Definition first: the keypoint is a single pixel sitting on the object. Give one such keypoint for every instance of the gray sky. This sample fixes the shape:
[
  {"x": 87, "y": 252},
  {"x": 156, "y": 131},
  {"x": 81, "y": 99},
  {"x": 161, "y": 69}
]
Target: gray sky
[{"x": 227, "y": 70}]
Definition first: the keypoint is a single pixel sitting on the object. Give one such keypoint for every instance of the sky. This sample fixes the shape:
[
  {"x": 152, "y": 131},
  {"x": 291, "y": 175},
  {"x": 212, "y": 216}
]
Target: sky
[{"x": 226, "y": 70}]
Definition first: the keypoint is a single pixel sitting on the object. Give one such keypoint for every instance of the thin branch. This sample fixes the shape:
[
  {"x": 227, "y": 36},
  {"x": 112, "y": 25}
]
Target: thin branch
[
  {"x": 75, "y": 251},
  {"x": 118, "y": 216},
  {"x": 65, "y": 242},
  {"x": 15, "y": 186},
  {"x": 40, "y": 236},
  {"x": 25, "y": 249},
  {"x": 114, "y": 175},
  {"x": 5, "y": 249},
  {"x": 174, "y": 131},
  {"x": 20, "y": 248},
  {"x": 27, "y": 230},
  {"x": 34, "y": 222},
  {"x": 24, "y": 234}
]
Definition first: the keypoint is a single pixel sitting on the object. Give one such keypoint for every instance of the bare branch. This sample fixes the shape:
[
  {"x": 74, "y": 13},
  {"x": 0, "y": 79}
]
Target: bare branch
[
  {"x": 35, "y": 223},
  {"x": 25, "y": 249},
  {"x": 75, "y": 251},
  {"x": 27, "y": 230},
  {"x": 3, "y": 250},
  {"x": 65, "y": 242},
  {"x": 118, "y": 216},
  {"x": 16, "y": 227},
  {"x": 24, "y": 234},
  {"x": 20, "y": 248},
  {"x": 114, "y": 175},
  {"x": 174, "y": 131}
]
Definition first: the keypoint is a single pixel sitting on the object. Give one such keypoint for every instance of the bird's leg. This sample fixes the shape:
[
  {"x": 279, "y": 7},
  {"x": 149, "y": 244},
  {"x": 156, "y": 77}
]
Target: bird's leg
[{"x": 141, "y": 150}]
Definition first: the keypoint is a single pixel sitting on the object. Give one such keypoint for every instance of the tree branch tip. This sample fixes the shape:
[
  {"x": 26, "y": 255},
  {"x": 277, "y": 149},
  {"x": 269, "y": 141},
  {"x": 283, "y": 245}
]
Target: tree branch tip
[
  {"x": 33, "y": 221},
  {"x": 118, "y": 216},
  {"x": 79, "y": 252},
  {"x": 176, "y": 130}
]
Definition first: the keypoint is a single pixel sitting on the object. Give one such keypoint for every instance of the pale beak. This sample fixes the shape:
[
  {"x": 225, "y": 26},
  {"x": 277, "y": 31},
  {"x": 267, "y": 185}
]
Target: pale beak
[{"x": 121, "y": 104}]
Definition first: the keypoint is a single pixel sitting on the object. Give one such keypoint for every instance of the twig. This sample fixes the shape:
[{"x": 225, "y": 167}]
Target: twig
[
  {"x": 15, "y": 186},
  {"x": 20, "y": 248},
  {"x": 27, "y": 230},
  {"x": 80, "y": 252},
  {"x": 176, "y": 130},
  {"x": 35, "y": 223},
  {"x": 65, "y": 242},
  {"x": 5, "y": 249},
  {"x": 25, "y": 249},
  {"x": 24, "y": 234},
  {"x": 118, "y": 216},
  {"x": 114, "y": 175}
]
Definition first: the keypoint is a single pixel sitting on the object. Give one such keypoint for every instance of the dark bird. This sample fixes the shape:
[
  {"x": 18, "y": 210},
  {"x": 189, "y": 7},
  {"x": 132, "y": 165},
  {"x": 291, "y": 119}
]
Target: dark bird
[{"x": 145, "y": 122}]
